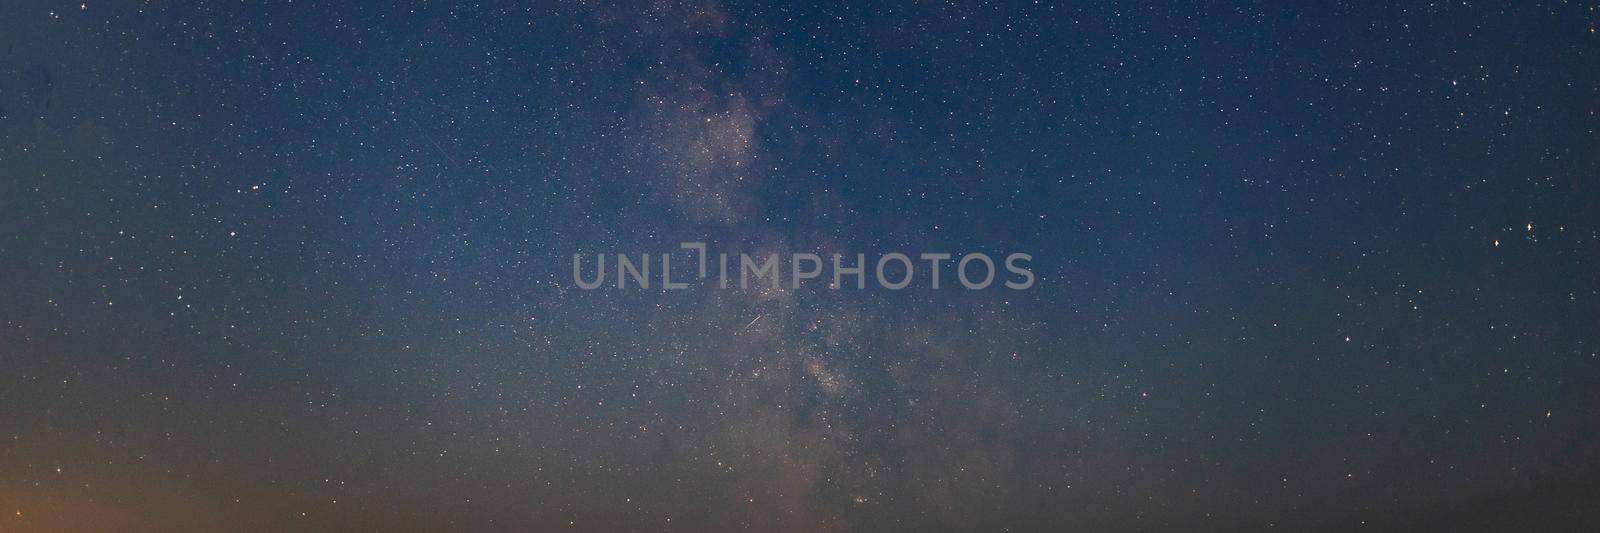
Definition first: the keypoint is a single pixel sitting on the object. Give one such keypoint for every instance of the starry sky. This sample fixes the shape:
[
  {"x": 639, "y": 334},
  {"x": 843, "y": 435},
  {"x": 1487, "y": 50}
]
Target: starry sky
[{"x": 306, "y": 266}]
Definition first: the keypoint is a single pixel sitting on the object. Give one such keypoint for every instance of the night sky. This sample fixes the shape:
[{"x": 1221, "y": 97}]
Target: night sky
[{"x": 307, "y": 266}]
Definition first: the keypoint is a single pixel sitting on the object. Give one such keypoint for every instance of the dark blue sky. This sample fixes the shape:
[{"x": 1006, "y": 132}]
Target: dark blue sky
[{"x": 306, "y": 266}]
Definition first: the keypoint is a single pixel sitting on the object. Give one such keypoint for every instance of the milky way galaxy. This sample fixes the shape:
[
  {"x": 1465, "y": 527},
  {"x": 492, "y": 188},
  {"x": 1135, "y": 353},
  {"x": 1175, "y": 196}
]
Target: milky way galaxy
[{"x": 319, "y": 266}]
